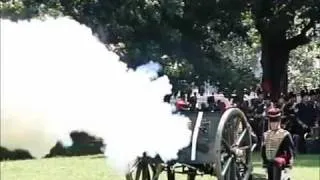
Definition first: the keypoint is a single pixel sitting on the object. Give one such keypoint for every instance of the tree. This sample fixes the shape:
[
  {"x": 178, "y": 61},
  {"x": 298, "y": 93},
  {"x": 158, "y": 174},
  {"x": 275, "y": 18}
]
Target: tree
[
  {"x": 140, "y": 31},
  {"x": 283, "y": 26},
  {"x": 304, "y": 67}
]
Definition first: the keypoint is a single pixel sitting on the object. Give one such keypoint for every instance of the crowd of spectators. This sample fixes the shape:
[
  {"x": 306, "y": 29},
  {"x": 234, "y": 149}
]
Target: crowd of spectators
[{"x": 300, "y": 110}]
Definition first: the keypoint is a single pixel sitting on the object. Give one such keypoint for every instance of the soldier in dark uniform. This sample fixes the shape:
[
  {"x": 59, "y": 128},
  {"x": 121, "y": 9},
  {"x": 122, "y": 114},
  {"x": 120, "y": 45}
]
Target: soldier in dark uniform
[
  {"x": 227, "y": 93},
  {"x": 277, "y": 147},
  {"x": 281, "y": 102},
  {"x": 211, "y": 102},
  {"x": 288, "y": 112},
  {"x": 318, "y": 105},
  {"x": 314, "y": 101},
  {"x": 258, "y": 112},
  {"x": 193, "y": 102},
  {"x": 167, "y": 98},
  {"x": 234, "y": 99},
  {"x": 306, "y": 118},
  {"x": 267, "y": 105},
  {"x": 313, "y": 95},
  {"x": 243, "y": 105}
]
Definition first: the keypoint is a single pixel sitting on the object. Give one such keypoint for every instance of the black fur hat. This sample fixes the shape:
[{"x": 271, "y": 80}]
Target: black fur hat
[
  {"x": 289, "y": 96},
  {"x": 312, "y": 92},
  {"x": 292, "y": 95},
  {"x": 303, "y": 93},
  {"x": 259, "y": 91},
  {"x": 267, "y": 96}
]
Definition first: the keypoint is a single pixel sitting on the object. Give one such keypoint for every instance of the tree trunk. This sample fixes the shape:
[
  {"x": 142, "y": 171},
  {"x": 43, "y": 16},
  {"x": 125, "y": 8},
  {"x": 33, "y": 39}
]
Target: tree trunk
[
  {"x": 274, "y": 60},
  {"x": 285, "y": 80},
  {"x": 275, "y": 45}
]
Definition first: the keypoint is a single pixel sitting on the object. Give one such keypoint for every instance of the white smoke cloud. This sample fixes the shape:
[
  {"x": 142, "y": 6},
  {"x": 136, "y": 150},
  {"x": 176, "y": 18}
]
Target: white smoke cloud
[
  {"x": 151, "y": 69},
  {"x": 57, "y": 77}
]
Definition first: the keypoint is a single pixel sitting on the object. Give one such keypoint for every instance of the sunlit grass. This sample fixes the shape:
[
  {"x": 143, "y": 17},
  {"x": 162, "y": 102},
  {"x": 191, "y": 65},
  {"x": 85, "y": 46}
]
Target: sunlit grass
[{"x": 96, "y": 168}]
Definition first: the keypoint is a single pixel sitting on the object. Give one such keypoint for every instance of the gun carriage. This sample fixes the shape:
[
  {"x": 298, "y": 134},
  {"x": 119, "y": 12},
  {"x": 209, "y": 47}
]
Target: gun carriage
[{"x": 221, "y": 146}]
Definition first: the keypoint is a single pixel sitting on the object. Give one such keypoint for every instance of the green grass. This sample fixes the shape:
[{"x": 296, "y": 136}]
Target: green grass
[{"x": 307, "y": 167}]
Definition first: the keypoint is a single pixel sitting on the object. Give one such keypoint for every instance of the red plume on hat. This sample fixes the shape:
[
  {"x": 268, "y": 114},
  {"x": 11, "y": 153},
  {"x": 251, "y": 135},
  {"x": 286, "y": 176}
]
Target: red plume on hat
[{"x": 273, "y": 112}]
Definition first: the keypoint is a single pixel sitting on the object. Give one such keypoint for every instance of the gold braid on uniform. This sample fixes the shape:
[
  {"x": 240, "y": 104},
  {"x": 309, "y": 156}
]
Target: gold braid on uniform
[{"x": 273, "y": 140}]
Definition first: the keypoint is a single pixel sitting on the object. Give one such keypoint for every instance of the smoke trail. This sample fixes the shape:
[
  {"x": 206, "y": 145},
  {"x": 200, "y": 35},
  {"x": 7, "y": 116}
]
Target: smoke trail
[
  {"x": 57, "y": 77},
  {"x": 151, "y": 69}
]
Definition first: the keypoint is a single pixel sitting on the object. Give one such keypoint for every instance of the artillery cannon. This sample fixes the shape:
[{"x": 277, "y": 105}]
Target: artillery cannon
[{"x": 219, "y": 147}]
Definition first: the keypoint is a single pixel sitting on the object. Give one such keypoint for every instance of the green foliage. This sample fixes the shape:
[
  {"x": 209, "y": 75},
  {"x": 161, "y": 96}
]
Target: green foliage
[
  {"x": 297, "y": 22},
  {"x": 304, "y": 67},
  {"x": 277, "y": 16},
  {"x": 140, "y": 31},
  {"x": 201, "y": 37},
  {"x": 241, "y": 54},
  {"x": 15, "y": 10},
  {"x": 20, "y": 9}
]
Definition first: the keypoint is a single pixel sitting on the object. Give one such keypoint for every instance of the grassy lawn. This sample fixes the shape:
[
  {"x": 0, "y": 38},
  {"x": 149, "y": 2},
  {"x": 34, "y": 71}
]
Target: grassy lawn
[{"x": 307, "y": 167}]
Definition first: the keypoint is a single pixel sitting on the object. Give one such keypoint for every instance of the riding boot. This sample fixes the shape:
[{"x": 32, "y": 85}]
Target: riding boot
[{"x": 274, "y": 172}]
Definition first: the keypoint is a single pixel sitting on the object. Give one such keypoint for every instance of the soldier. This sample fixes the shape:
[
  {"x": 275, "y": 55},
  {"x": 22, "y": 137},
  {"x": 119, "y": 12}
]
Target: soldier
[
  {"x": 306, "y": 118},
  {"x": 277, "y": 146},
  {"x": 267, "y": 105},
  {"x": 257, "y": 111},
  {"x": 318, "y": 105},
  {"x": 289, "y": 113},
  {"x": 193, "y": 101},
  {"x": 211, "y": 102}
]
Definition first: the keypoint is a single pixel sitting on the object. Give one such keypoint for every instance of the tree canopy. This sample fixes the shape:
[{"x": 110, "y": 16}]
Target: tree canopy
[
  {"x": 283, "y": 26},
  {"x": 194, "y": 40}
]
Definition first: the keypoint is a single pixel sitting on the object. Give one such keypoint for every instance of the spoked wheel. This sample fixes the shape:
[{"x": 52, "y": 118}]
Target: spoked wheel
[
  {"x": 192, "y": 175},
  {"x": 145, "y": 168},
  {"x": 233, "y": 146},
  {"x": 170, "y": 174}
]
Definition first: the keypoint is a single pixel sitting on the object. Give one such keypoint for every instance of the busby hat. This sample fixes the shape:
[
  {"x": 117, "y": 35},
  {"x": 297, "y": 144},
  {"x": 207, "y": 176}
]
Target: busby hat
[
  {"x": 258, "y": 90},
  {"x": 303, "y": 93},
  {"x": 274, "y": 114},
  {"x": 267, "y": 96},
  {"x": 292, "y": 95},
  {"x": 312, "y": 92},
  {"x": 286, "y": 97}
]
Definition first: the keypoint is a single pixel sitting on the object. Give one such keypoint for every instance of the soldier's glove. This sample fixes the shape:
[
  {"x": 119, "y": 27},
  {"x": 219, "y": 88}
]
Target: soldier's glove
[{"x": 280, "y": 162}]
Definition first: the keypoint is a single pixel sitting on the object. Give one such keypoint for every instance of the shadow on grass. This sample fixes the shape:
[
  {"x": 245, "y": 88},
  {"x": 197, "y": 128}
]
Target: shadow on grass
[
  {"x": 17, "y": 154},
  {"x": 100, "y": 156}
]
